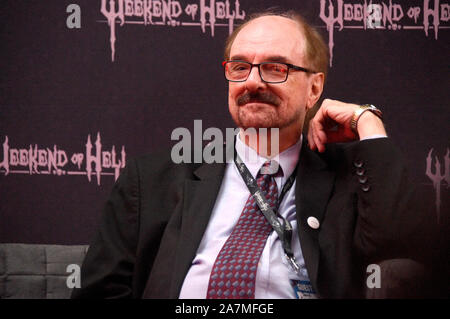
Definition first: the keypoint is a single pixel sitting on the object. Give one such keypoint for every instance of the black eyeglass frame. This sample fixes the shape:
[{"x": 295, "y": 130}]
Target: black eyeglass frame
[{"x": 290, "y": 66}]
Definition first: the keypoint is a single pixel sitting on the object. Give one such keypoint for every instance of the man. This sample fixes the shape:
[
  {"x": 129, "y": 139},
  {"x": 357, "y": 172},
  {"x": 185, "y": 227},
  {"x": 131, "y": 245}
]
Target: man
[{"x": 169, "y": 231}]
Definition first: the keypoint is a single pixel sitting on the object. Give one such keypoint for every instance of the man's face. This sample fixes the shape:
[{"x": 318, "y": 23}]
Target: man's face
[{"x": 257, "y": 104}]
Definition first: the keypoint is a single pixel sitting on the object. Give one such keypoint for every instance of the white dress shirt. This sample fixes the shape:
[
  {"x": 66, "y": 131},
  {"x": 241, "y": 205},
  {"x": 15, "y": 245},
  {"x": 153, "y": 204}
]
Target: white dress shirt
[{"x": 273, "y": 273}]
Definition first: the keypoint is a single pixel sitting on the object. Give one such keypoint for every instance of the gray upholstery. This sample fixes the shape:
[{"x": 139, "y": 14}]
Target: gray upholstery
[{"x": 37, "y": 271}]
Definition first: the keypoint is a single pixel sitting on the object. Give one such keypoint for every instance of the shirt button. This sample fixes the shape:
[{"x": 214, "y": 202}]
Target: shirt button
[{"x": 313, "y": 222}]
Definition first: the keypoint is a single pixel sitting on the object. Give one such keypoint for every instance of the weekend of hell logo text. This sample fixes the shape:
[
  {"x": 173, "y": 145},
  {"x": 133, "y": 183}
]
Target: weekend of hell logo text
[
  {"x": 439, "y": 174},
  {"x": 171, "y": 13},
  {"x": 428, "y": 16},
  {"x": 33, "y": 159}
]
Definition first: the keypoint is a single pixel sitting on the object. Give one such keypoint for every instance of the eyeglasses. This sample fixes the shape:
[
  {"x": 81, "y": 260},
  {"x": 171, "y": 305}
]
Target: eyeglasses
[{"x": 270, "y": 72}]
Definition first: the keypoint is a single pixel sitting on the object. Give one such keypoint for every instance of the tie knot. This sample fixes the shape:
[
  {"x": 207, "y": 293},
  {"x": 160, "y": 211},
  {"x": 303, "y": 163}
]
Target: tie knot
[{"x": 270, "y": 167}]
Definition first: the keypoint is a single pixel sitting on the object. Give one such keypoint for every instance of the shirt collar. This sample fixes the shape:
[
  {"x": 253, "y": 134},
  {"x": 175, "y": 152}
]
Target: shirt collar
[{"x": 287, "y": 159}]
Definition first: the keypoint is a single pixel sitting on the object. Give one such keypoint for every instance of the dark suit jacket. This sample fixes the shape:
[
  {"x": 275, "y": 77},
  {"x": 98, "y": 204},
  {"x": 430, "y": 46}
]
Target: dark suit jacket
[{"x": 157, "y": 213}]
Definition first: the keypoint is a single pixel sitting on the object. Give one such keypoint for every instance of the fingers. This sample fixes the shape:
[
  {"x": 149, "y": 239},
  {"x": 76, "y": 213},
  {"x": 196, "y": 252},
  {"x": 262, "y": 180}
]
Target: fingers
[
  {"x": 331, "y": 124},
  {"x": 316, "y": 134}
]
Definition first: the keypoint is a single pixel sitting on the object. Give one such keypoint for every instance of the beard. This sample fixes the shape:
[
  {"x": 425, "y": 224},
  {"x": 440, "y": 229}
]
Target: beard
[{"x": 266, "y": 112}]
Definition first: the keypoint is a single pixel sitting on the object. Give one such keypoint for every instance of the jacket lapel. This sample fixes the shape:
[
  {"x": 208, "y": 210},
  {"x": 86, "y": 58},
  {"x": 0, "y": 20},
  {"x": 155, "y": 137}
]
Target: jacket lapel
[
  {"x": 200, "y": 195},
  {"x": 313, "y": 189}
]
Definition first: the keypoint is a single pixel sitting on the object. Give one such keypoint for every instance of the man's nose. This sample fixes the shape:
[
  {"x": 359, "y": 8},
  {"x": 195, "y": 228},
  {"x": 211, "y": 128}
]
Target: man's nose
[{"x": 254, "y": 80}]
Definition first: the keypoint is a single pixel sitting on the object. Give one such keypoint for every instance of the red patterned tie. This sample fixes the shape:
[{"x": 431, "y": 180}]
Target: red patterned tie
[{"x": 234, "y": 271}]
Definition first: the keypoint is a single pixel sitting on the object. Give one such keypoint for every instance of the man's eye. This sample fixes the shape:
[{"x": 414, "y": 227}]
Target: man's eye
[
  {"x": 276, "y": 68},
  {"x": 240, "y": 67}
]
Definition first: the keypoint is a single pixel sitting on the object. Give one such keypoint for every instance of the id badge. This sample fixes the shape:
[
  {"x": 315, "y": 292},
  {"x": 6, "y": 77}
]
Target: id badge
[{"x": 303, "y": 289}]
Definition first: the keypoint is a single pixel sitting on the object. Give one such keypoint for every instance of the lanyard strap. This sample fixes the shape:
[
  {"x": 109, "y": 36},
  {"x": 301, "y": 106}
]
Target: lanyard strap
[{"x": 283, "y": 229}]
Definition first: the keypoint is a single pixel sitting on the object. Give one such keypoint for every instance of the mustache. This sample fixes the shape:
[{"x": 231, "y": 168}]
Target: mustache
[{"x": 261, "y": 97}]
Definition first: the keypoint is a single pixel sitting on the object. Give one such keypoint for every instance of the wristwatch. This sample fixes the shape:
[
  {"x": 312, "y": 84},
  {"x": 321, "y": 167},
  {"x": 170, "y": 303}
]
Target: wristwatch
[{"x": 357, "y": 114}]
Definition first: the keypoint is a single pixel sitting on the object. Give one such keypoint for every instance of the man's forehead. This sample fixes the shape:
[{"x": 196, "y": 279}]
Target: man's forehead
[{"x": 270, "y": 36}]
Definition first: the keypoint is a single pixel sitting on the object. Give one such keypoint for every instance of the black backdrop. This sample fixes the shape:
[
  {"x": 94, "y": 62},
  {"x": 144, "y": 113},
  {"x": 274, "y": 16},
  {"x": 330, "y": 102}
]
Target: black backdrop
[{"x": 60, "y": 88}]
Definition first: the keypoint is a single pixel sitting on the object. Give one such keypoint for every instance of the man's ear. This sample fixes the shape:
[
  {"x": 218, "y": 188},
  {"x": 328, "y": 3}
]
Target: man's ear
[{"x": 315, "y": 89}]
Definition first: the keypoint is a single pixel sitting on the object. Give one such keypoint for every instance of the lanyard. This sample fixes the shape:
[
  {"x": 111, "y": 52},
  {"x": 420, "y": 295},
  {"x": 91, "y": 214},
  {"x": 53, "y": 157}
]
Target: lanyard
[{"x": 283, "y": 229}]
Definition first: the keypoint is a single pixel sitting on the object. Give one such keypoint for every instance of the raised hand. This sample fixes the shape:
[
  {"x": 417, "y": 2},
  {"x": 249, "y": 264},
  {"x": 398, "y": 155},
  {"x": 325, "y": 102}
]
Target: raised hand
[{"x": 331, "y": 124}]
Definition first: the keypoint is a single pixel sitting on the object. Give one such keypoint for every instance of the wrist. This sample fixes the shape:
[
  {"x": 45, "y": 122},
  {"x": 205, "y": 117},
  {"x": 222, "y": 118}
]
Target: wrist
[
  {"x": 370, "y": 124},
  {"x": 367, "y": 121}
]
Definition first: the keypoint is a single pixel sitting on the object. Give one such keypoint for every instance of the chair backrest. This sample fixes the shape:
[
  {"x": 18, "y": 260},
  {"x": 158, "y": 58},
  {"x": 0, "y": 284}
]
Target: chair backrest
[{"x": 39, "y": 271}]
